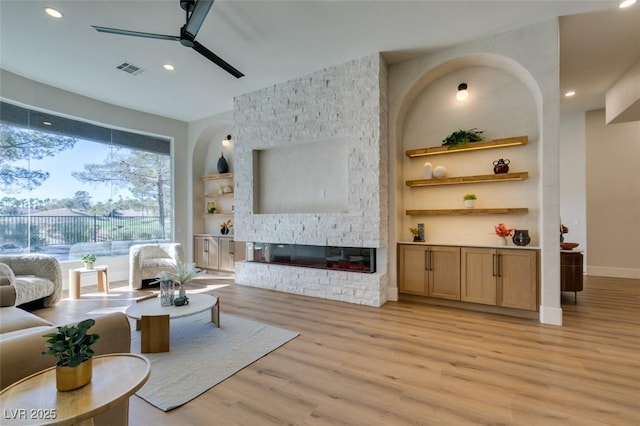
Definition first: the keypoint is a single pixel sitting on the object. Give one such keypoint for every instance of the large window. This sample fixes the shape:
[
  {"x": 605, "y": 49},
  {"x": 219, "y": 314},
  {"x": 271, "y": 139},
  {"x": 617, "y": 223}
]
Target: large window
[{"x": 69, "y": 188}]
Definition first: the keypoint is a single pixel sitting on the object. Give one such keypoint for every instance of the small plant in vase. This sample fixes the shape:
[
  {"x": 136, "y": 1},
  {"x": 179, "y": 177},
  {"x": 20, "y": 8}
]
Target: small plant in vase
[
  {"x": 184, "y": 272},
  {"x": 225, "y": 226},
  {"x": 416, "y": 233},
  {"x": 469, "y": 200},
  {"x": 88, "y": 260},
  {"x": 71, "y": 345},
  {"x": 503, "y": 232}
]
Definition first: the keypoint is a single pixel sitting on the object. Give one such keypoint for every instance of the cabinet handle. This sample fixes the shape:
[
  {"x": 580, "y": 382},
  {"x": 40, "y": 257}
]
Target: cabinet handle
[
  {"x": 499, "y": 265},
  {"x": 206, "y": 246},
  {"x": 495, "y": 264},
  {"x": 426, "y": 260},
  {"x": 430, "y": 260},
  {"x": 232, "y": 247}
]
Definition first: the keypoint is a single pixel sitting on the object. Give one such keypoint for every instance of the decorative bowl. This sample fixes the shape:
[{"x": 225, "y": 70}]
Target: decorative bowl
[{"x": 568, "y": 246}]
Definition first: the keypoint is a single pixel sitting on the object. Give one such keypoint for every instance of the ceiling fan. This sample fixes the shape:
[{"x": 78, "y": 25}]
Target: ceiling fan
[{"x": 196, "y": 13}]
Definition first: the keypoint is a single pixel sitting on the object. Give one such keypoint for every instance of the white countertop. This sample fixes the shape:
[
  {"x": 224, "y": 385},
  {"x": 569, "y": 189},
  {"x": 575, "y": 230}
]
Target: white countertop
[{"x": 510, "y": 246}]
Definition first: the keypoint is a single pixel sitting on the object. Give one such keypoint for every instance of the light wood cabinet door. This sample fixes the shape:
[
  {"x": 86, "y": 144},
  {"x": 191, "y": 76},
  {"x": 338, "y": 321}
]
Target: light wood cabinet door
[
  {"x": 518, "y": 279},
  {"x": 225, "y": 258},
  {"x": 412, "y": 273},
  {"x": 478, "y": 275},
  {"x": 206, "y": 252},
  {"x": 443, "y": 265}
]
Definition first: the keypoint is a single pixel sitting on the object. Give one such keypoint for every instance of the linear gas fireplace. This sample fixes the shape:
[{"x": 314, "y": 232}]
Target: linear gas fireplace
[{"x": 352, "y": 259}]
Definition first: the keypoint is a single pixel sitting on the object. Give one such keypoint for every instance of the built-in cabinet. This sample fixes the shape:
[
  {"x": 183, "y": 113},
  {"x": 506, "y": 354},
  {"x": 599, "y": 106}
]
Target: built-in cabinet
[
  {"x": 430, "y": 271},
  {"x": 500, "y": 277},
  {"x": 489, "y": 276},
  {"x": 214, "y": 253}
]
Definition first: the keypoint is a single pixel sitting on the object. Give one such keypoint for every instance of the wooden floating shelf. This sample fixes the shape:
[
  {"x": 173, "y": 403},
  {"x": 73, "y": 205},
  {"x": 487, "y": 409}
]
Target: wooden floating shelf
[
  {"x": 503, "y": 177},
  {"x": 228, "y": 194},
  {"x": 453, "y": 212},
  {"x": 216, "y": 177},
  {"x": 470, "y": 146},
  {"x": 213, "y": 215}
]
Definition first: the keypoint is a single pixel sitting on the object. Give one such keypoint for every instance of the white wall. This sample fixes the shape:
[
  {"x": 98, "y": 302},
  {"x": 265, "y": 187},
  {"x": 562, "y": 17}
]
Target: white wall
[
  {"x": 613, "y": 197},
  {"x": 41, "y": 96},
  {"x": 573, "y": 187}
]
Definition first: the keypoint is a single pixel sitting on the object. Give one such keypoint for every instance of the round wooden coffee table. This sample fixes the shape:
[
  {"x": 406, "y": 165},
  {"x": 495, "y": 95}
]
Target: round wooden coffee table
[
  {"x": 35, "y": 399},
  {"x": 153, "y": 319}
]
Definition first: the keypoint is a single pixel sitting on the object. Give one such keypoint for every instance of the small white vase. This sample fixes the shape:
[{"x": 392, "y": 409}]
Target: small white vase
[
  {"x": 469, "y": 204},
  {"x": 427, "y": 171},
  {"x": 503, "y": 241},
  {"x": 439, "y": 172}
]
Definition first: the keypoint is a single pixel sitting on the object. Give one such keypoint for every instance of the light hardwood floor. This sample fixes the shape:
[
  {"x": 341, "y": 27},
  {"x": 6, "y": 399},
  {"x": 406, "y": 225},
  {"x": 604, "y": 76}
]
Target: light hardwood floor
[{"x": 409, "y": 363}]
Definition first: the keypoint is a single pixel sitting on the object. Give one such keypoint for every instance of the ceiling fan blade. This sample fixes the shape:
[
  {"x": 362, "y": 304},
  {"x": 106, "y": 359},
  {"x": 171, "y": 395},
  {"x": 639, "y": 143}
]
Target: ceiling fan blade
[
  {"x": 216, "y": 59},
  {"x": 135, "y": 33},
  {"x": 199, "y": 13}
]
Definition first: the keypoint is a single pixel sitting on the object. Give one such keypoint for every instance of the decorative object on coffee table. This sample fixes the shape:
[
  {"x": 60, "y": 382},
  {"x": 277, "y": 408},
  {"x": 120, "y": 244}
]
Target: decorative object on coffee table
[
  {"x": 183, "y": 273},
  {"x": 71, "y": 345}
]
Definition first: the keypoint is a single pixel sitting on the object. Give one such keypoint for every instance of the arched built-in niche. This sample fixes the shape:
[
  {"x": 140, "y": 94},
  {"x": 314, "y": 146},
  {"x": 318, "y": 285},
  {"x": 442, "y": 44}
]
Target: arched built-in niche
[
  {"x": 206, "y": 152},
  {"x": 500, "y": 105}
]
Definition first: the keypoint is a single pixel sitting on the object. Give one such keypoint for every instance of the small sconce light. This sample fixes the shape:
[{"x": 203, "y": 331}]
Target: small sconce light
[
  {"x": 462, "y": 92},
  {"x": 227, "y": 141}
]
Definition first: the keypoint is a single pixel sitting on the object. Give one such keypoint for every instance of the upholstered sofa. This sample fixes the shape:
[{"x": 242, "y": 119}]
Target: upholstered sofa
[
  {"x": 148, "y": 260},
  {"x": 34, "y": 276},
  {"x": 22, "y": 343}
]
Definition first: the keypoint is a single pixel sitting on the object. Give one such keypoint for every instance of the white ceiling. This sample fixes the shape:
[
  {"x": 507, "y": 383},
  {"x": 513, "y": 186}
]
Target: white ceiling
[{"x": 275, "y": 41}]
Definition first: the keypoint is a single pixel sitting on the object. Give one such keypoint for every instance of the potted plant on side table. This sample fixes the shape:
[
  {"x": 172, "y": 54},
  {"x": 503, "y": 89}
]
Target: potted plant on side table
[
  {"x": 88, "y": 260},
  {"x": 71, "y": 345}
]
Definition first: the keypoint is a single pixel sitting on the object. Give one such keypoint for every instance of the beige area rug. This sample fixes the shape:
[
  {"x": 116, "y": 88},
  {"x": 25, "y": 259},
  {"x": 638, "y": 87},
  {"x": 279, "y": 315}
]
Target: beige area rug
[{"x": 202, "y": 356}]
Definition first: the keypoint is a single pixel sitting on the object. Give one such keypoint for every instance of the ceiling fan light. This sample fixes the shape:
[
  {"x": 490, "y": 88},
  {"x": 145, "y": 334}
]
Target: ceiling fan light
[
  {"x": 626, "y": 3},
  {"x": 54, "y": 13}
]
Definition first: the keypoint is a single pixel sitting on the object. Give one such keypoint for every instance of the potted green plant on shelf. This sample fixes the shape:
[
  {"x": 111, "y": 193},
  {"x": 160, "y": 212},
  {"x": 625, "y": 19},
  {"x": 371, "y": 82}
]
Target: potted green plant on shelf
[
  {"x": 460, "y": 137},
  {"x": 469, "y": 200},
  {"x": 71, "y": 345},
  {"x": 88, "y": 260}
]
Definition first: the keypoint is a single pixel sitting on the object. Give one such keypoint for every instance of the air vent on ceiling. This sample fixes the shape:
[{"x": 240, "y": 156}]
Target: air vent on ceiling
[{"x": 130, "y": 68}]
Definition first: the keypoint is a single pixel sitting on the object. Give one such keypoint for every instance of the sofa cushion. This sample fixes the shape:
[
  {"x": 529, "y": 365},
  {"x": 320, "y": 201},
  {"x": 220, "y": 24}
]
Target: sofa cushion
[
  {"x": 6, "y": 275},
  {"x": 30, "y": 287},
  {"x": 157, "y": 262},
  {"x": 12, "y": 318}
]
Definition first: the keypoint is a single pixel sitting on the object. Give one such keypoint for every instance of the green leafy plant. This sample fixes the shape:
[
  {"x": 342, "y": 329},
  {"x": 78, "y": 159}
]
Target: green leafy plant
[
  {"x": 469, "y": 197},
  {"x": 71, "y": 344},
  {"x": 463, "y": 136},
  {"x": 88, "y": 258}
]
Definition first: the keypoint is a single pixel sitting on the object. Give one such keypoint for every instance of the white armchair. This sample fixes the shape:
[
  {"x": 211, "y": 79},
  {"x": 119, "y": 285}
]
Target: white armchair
[{"x": 148, "y": 260}]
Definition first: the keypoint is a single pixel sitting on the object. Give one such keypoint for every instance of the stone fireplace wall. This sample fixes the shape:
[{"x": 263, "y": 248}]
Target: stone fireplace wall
[{"x": 348, "y": 103}]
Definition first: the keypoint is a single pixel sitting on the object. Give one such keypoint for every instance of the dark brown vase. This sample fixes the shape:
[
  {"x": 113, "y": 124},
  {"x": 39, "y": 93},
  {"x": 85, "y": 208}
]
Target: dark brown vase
[
  {"x": 501, "y": 166},
  {"x": 521, "y": 237},
  {"x": 223, "y": 167}
]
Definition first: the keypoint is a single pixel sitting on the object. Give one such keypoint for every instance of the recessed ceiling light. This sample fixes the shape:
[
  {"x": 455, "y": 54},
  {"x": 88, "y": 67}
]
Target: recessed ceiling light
[
  {"x": 570, "y": 93},
  {"x": 46, "y": 123},
  {"x": 53, "y": 12},
  {"x": 169, "y": 67},
  {"x": 627, "y": 3}
]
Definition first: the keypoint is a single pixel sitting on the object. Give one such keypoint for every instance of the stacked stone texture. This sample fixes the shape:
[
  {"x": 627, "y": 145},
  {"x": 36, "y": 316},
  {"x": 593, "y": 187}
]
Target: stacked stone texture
[{"x": 348, "y": 102}]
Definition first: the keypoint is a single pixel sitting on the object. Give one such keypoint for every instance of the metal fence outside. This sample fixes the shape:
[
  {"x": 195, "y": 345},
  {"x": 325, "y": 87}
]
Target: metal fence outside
[{"x": 58, "y": 235}]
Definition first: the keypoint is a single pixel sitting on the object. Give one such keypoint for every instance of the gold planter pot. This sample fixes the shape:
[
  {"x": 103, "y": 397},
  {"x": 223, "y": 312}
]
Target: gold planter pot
[{"x": 71, "y": 378}]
